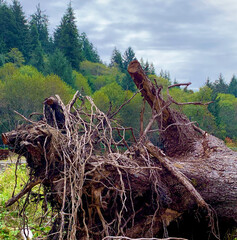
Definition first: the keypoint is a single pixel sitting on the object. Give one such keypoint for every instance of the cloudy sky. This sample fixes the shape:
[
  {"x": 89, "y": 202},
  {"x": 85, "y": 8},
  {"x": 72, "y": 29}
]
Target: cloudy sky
[{"x": 192, "y": 39}]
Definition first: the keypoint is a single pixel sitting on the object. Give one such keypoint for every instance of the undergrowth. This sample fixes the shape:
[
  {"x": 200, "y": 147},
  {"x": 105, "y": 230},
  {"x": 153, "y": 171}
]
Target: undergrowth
[{"x": 11, "y": 218}]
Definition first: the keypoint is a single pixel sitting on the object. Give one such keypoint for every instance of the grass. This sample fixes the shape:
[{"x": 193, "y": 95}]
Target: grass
[{"x": 10, "y": 219}]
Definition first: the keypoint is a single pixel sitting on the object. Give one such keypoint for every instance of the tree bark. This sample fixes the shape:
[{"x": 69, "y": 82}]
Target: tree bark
[{"x": 205, "y": 160}]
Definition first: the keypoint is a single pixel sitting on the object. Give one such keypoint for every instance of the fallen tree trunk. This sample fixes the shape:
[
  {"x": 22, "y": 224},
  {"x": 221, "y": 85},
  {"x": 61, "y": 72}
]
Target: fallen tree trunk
[
  {"x": 97, "y": 191},
  {"x": 203, "y": 158}
]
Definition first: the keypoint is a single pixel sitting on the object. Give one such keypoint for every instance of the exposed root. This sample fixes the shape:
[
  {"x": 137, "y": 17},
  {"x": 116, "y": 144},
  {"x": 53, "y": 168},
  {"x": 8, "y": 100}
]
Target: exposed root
[{"x": 99, "y": 186}]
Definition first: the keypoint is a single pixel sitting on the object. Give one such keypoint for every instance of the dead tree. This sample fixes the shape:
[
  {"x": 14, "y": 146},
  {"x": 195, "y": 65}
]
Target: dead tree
[
  {"x": 203, "y": 158},
  {"x": 99, "y": 187}
]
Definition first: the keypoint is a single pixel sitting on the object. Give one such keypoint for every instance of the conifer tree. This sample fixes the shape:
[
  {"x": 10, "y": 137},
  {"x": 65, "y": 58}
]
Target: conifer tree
[
  {"x": 66, "y": 38},
  {"x": 59, "y": 65},
  {"x": 116, "y": 59},
  {"x": 40, "y": 20},
  {"x": 22, "y": 29},
  {"x": 8, "y": 31},
  {"x": 142, "y": 63},
  {"x": 127, "y": 82},
  {"x": 36, "y": 54},
  {"x": 128, "y": 56},
  {"x": 152, "y": 69},
  {"x": 232, "y": 89},
  {"x": 220, "y": 86},
  {"x": 89, "y": 52}
]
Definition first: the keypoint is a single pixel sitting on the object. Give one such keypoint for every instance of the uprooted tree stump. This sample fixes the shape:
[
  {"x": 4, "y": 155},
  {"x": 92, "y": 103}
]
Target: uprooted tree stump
[{"x": 99, "y": 187}]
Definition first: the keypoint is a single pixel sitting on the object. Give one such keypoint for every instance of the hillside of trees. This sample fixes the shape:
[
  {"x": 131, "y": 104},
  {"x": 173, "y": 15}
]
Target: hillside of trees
[{"x": 35, "y": 65}]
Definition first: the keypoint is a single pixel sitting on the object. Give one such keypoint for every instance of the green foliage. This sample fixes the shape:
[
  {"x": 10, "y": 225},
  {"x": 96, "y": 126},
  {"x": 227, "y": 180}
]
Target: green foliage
[
  {"x": 28, "y": 41},
  {"x": 24, "y": 90},
  {"x": 2, "y": 58},
  {"x": 128, "y": 56},
  {"x": 66, "y": 38},
  {"x": 22, "y": 29},
  {"x": 7, "y": 70},
  {"x": 15, "y": 57},
  {"x": 10, "y": 220},
  {"x": 59, "y": 65},
  {"x": 40, "y": 20},
  {"x": 8, "y": 29},
  {"x": 160, "y": 81},
  {"x": 228, "y": 113},
  {"x": 203, "y": 95},
  {"x": 114, "y": 93},
  {"x": 36, "y": 55},
  {"x": 89, "y": 51},
  {"x": 127, "y": 82},
  {"x": 198, "y": 114},
  {"x": 54, "y": 85},
  {"x": 232, "y": 89},
  {"x": 102, "y": 101},
  {"x": 116, "y": 59},
  {"x": 98, "y": 82},
  {"x": 219, "y": 86},
  {"x": 130, "y": 113},
  {"x": 81, "y": 83},
  {"x": 95, "y": 69}
]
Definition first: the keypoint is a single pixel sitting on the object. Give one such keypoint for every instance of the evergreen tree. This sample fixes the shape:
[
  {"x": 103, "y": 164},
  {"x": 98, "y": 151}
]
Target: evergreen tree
[
  {"x": 116, "y": 59},
  {"x": 208, "y": 83},
  {"x": 66, "y": 38},
  {"x": 175, "y": 82},
  {"x": 152, "y": 69},
  {"x": 127, "y": 82},
  {"x": 128, "y": 56},
  {"x": 147, "y": 68},
  {"x": 167, "y": 75},
  {"x": 232, "y": 89},
  {"x": 142, "y": 63},
  {"x": 89, "y": 52},
  {"x": 8, "y": 31},
  {"x": 59, "y": 65},
  {"x": 22, "y": 30},
  {"x": 219, "y": 86},
  {"x": 162, "y": 74},
  {"x": 37, "y": 54},
  {"x": 40, "y": 20},
  {"x": 2, "y": 59}
]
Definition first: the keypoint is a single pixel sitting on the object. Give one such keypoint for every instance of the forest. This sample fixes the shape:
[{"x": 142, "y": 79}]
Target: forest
[{"x": 35, "y": 65}]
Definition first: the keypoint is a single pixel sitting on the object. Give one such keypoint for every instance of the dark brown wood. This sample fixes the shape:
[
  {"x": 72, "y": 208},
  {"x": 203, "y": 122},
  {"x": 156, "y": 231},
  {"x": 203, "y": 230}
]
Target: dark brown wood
[
  {"x": 207, "y": 162},
  {"x": 181, "y": 135},
  {"x": 4, "y": 153},
  {"x": 25, "y": 190}
]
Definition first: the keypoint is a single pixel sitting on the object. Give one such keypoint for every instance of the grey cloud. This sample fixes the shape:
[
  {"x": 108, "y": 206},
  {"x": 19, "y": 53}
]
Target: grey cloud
[{"x": 194, "y": 39}]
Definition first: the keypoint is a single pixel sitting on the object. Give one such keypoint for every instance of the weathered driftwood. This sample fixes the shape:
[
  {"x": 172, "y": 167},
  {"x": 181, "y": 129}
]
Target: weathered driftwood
[{"x": 101, "y": 192}]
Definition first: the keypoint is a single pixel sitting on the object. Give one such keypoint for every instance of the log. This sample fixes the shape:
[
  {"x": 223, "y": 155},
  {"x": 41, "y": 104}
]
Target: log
[{"x": 206, "y": 161}]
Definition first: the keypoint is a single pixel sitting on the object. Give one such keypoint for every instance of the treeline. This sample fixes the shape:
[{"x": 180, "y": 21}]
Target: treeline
[{"x": 34, "y": 65}]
